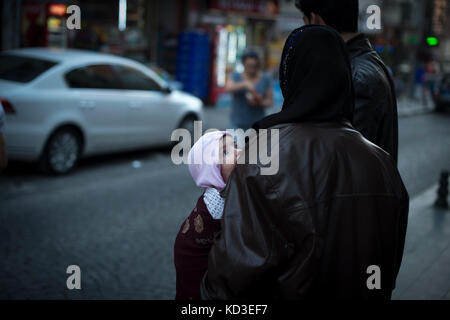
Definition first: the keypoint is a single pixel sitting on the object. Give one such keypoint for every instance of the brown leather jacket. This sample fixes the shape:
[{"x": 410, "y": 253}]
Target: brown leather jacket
[{"x": 336, "y": 206}]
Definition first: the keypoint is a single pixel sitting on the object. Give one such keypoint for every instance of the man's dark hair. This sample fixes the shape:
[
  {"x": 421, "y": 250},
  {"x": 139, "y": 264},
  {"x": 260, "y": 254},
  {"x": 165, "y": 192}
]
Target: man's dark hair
[{"x": 341, "y": 15}]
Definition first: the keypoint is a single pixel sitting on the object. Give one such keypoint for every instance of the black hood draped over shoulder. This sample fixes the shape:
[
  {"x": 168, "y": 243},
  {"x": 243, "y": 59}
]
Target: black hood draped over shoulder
[{"x": 315, "y": 79}]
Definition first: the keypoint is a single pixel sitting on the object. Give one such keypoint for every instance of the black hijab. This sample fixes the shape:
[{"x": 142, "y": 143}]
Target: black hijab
[{"x": 315, "y": 79}]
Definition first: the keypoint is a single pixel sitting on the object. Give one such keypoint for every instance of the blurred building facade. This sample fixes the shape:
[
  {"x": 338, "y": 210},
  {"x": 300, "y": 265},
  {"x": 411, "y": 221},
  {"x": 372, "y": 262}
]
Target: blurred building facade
[
  {"x": 414, "y": 35},
  {"x": 40, "y": 23},
  {"x": 174, "y": 34},
  {"x": 235, "y": 26}
]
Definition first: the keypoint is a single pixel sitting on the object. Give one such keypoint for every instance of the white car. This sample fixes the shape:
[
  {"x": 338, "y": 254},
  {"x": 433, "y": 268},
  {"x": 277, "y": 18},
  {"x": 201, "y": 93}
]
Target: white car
[{"x": 65, "y": 104}]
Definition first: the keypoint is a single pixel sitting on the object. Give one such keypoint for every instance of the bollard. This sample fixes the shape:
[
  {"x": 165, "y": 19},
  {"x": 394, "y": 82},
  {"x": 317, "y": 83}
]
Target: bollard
[{"x": 441, "y": 201}]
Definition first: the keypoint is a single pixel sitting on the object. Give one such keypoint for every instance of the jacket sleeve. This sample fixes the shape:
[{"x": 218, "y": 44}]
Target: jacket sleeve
[
  {"x": 367, "y": 115},
  {"x": 248, "y": 247}
]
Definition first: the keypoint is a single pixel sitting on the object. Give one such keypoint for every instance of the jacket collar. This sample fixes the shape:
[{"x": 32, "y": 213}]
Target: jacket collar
[{"x": 358, "y": 45}]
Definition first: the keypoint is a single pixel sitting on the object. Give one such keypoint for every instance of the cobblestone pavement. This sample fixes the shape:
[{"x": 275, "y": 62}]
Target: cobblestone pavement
[{"x": 118, "y": 222}]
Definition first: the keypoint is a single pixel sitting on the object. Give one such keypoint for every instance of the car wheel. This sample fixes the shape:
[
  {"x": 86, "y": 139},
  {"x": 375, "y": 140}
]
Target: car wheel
[{"x": 62, "y": 152}]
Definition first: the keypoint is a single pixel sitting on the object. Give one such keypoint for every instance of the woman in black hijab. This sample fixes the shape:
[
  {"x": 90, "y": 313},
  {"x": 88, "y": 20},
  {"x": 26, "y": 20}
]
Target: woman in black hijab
[{"x": 315, "y": 78}]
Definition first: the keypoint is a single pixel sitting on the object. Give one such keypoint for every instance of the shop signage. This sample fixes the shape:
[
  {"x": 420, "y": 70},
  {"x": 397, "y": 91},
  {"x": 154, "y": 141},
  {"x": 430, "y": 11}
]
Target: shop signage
[{"x": 246, "y": 6}]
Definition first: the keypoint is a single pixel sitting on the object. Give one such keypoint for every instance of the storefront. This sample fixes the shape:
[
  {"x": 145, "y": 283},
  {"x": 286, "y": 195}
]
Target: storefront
[
  {"x": 232, "y": 27},
  {"x": 120, "y": 27},
  {"x": 399, "y": 42},
  {"x": 43, "y": 24},
  {"x": 124, "y": 27}
]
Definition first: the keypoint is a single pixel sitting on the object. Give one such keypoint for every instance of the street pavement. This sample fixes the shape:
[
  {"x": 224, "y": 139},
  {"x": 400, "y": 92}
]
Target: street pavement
[
  {"x": 424, "y": 273},
  {"x": 117, "y": 216}
]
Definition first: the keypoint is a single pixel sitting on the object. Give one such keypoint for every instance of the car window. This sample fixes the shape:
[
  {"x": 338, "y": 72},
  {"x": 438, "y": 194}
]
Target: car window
[
  {"x": 94, "y": 77},
  {"x": 22, "y": 69},
  {"x": 133, "y": 79}
]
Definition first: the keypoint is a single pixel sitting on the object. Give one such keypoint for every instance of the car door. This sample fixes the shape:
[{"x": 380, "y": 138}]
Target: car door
[
  {"x": 102, "y": 104},
  {"x": 149, "y": 107}
]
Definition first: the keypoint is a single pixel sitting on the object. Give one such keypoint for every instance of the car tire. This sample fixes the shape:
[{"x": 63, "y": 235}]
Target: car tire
[{"x": 61, "y": 152}]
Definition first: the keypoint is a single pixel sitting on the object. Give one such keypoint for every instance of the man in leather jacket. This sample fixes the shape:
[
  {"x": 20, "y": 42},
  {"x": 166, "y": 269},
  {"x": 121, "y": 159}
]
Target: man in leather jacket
[
  {"x": 331, "y": 223},
  {"x": 376, "y": 105}
]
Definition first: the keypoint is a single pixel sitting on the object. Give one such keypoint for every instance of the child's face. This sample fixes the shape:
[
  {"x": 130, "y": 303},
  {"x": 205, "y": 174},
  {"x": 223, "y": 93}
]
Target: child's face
[{"x": 229, "y": 155}]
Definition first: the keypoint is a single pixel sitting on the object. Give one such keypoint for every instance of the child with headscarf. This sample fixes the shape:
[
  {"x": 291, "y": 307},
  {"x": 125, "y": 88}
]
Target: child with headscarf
[{"x": 211, "y": 161}]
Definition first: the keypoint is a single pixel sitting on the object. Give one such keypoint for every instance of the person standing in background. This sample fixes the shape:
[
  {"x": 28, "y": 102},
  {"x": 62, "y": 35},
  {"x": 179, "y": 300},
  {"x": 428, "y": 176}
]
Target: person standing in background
[
  {"x": 3, "y": 153},
  {"x": 252, "y": 92},
  {"x": 430, "y": 79}
]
